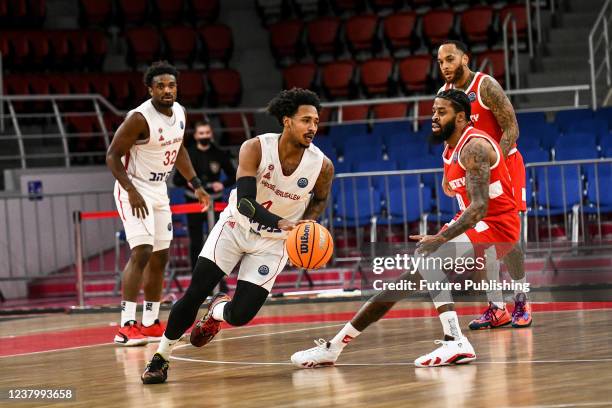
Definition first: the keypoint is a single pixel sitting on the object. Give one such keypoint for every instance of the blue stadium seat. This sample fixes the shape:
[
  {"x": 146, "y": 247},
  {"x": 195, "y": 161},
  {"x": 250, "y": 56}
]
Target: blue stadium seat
[
  {"x": 599, "y": 185},
  {"x": 576, "y": 146},
  {"x": 551, "y": 183},
  {"x": 534, "y": 155},
  {"x": 606, "y": 146},
  {"x": 362, "y": 153},
  {"x": 596, "y": 127},
  {"x": 339, "y": 134},
  {"x": 604, "y": 114},
  {"x": 408, "y": 197},
  {"x": 545, "y": 132},
  {"x": 390, "y": 129},
  {"x": 358, "y": 207},
  {"x": 529, "y": 142},
  {"x": 446, "y": 208},
  {"x": 529, "y": 119},
  {"x": 563, "y": 119}
]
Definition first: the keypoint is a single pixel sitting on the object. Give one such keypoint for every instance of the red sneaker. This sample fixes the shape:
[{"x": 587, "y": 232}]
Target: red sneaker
[
  {"x": 130, "y": 335},
  {"x": 492, "y": 317},
  {"x": 521, "y": 316},
  {"x": 153, "y": 332},
  {"x": 207, "y": 327}
]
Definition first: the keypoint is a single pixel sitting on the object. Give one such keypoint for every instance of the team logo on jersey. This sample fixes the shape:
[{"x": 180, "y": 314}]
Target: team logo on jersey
[
  {"x": 271, "y": 167},
  {"x": 303, "y": 182},
  {"x": 182, "y": 125},
  {"x": 263, "y": 270},
  {"x": 455, "y": 157},
  {"x": 472, "y": 96},
  {"x": 160, "y": 130},
  {"x": 161, "y": 138},
  {"x": 232, "y": 224},
  {"x": 267, "y": 176},
  {"x": 214, "y": 167},
  {"x": 169, "y": 226}
]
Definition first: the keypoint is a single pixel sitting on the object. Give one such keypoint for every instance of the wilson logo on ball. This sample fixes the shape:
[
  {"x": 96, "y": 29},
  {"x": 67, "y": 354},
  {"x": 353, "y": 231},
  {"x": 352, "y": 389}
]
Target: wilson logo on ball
[{"x": 304, "y": 249}]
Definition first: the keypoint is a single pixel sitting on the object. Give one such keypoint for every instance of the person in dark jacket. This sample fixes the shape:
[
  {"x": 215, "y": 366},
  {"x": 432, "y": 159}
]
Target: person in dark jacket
[{"x": 208, "y": 161}]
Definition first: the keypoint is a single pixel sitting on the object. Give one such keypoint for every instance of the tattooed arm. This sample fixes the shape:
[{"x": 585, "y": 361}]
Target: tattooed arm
[
  {"x": 320, "y": 191},
  {"x": 494, "y": 98},
  {"x": 476, "y": 156}
]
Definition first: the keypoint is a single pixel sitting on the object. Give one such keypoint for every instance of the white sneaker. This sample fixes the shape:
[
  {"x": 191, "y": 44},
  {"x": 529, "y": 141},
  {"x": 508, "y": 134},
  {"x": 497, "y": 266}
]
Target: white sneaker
[
  {"x": 324, "y": 354},
  {"x": 450, "y": 352}
]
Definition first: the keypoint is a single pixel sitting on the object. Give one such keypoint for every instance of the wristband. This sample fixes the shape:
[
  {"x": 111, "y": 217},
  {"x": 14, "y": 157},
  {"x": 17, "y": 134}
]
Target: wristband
[{"x": 195, "y": 182}]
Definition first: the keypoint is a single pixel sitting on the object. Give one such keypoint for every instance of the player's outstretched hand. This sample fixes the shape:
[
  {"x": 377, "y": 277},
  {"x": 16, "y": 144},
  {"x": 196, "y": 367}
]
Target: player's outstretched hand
[
  {"x": 203, "y": 198},
  {"x": 427, "y": 243},
  {"x": 138, "y": 204}
]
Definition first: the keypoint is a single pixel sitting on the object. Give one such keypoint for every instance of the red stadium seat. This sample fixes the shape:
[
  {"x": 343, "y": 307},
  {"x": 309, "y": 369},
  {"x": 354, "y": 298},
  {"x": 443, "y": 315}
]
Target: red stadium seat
[
  {"x": 20, "y": 48},
  {"x": 300, "y": 76},
  {"x": 437, "y": 26},
  {"x": 285, "y": 39},
  {"x": 205, "y": 10},
  {"x": 60, "y": 47},
  {"x": 38, "y": 86},
  {"x": 58, "y": 84},
  {"x": 337, "y": 79},
  {"x": 347, "y": 6},
  {"x": 225, "y": 86},
  {"x": 39, "y": 45},
  {"x": 324, "y": 119},
  {"x": 414, "y": 73},
  {"x": 79, "y": 46},
  {"x": 376, "y": 75},
  {"x": 233, "y": 125},
  {"x": 120, "y": 87},
  {"x": 112, "y": 123},
  {"x": 101, "y": 85},
  {"x": 144, "y": 45},
  {"x": 520, "y": 15},
  {"x": 390, "y": 110},
  {"x": 95, "y": 12},
  {"x": 476, "y": 24},
  {"x": 5, "y": 48},
  {"x": 322, "y": 35},
  {"x": 399, "y": 31},
  {"x": 355, "y": 112},
  {"x": 98, "y": 47},
  {"x": 218, "y": 42},
  {"x": 191, "y": 88},
  {"x": 18, "y": 11},
  {"x": 169, "y": 11},
  {"x": 133, "y": 12},
  {"x": 361, "y": 34},
  {"x": 37, "y": 11},
  {"x": 139, "y": 90},
  {"x": 16, "y": 84},
  {"x": 79, "y": 84},
  {"x": 425, "y": 111},
  {"x": 181, "y": 43},
  {"x": 496, "y": 58}
]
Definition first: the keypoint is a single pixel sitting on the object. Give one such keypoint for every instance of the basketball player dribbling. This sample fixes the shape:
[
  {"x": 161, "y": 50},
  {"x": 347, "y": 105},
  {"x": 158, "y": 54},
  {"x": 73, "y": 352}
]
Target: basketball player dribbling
[
  {"x": 492, "y": 112},
  {"x": 282, "y": 180},
  {"x": 144, "y": 151},
  {"x": 474, "y": 166}
]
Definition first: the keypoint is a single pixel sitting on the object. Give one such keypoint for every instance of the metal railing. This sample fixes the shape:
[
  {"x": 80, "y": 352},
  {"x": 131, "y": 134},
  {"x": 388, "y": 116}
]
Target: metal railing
[
  {"x": 101, "y": 105},
  {"x": 599, "y": 46},
  {"x": 510, "y": 19}
]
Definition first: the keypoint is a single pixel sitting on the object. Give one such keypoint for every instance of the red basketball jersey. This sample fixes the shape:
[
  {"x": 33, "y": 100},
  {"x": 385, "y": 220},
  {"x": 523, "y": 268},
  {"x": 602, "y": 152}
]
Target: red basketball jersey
[
  {"x": 501, "y": 199},
  {"x": 482, "y": 118}
]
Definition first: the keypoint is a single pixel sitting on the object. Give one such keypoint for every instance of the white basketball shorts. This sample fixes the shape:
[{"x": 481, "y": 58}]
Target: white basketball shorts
[
  {"x": 263, "y": 259},
  {"x": 156, "y": 228}
]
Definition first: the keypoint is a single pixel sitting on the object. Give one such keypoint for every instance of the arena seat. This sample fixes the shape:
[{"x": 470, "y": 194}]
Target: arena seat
[
  {"x": 361, "y": 35},
  {"x": 552, "y": 183},
  {"x": 337, "y": 79},
  {"x": 520, "y": 16},
  {"x": 377, "y": 77},
  {"x": 233, "y": 125},
  {"x": 97, "y": 47},
  {"x": 399, "y": 31},
  {"x": 355, "y": 112},
  {"x": 95, "y": 12},
  {"x": 414, "y": 73},
  {"x": 60, "y": 47},
  {"x": 563, "y": 119},
  {"x": 218, "y": 42},
  {"x": 181, "y": 43},
  {"x": 390, "y": 111},
  {"x": 477, "y": 25},
  {"x": 40, "y": 49},
  {"x": 358, "y": 206},
  {"x": 144, "y": 45},
  {"x": 408, "y": 197},
  {"x": 437, "y": 26},
  {"x": 20, "y": 48},
  {"x": 191, "y": 88},
  {"x": 204, "y": 10},
  {"x": 133, "y": 12},
  {"x": 496, "y": 58},
  {"x": 285, "y": 39},
  {"x": 300, "y": 76},
  {"x": 169, "y": 11},
  {"x": 225, "y": 86},
  {"x": 323, "y": 36}
]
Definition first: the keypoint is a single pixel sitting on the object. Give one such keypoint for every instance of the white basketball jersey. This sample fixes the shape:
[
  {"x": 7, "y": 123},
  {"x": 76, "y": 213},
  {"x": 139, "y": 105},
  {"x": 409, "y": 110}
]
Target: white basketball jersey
[
  {"x": 151, "y": 161},
  {"x": 285, "y": 196}
]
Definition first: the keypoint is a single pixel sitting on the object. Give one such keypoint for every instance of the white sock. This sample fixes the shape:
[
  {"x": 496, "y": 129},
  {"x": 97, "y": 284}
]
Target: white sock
[
  {"x": 150, "y": 312},
  {"x": 450, "y": 324},
  {"x": 495, "y": 296},
  {"x": 217, "y": 313},
  {"x": 128, "y": 311},
  {"x": 519, "y": 285},
  {"x": 345, "y": 336},
  {"x": 165, "y": 346}
]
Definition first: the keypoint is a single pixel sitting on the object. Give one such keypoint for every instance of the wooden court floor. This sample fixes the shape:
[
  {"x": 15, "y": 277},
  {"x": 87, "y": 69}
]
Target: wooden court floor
[{"x": 564, "y": 360}]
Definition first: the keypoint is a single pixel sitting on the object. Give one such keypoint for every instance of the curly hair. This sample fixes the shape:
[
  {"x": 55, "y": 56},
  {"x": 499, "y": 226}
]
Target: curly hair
[
  {"x": 459, "y": 100},
  {"x": 159, "y": 68},
  {"x": 287, "y": 102}
]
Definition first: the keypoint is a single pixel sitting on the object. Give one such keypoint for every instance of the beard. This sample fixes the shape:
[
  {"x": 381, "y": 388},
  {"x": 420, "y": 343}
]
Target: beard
[
  {"x": 443, "y": 135},
  {"x": 458, "y": 74}
]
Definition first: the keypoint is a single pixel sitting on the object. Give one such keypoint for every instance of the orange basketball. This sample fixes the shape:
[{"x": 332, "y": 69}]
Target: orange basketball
[{"x": 309, "y": 245}]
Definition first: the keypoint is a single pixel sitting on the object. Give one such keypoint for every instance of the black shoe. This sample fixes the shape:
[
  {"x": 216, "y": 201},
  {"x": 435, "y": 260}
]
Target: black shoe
[{"x": 156, "y": 371}]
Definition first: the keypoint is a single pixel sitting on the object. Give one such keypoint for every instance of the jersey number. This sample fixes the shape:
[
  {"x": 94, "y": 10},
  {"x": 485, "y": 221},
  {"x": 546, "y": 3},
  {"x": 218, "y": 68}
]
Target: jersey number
[{"x": 170, "y": 157}]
